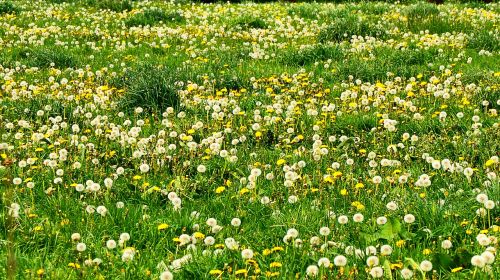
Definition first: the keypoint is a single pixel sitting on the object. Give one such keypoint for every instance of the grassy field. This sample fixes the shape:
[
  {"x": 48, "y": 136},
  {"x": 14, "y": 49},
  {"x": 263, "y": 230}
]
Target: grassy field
[{"x": 158, "y": 140}]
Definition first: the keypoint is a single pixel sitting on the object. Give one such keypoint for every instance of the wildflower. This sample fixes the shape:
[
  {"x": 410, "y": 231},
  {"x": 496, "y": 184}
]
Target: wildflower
[
  {"x": 162, "y": 226},
  {"x": 340, "y": 261},
  {"x": 377, "y": 272},
  {"x": 81, "y": 247},
  {"x": 324, "y": 262},
  {"x": 247, "y": 254},
  {"x": 312, "y": 271},
  {"x": 426, "y": 266}
]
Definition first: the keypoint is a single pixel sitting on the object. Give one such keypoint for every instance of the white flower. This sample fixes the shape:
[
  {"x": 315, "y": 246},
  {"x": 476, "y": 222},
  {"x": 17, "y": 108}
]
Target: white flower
[
  {"x": 144, "y": 168},
  {"x": 343, "y": 219},
  {"x": 293, "y": 233},
  {"x": 125, "y": 236},
  {"x": 75, "y": 236},
  {"x": 478, "y": 261},
  {"x": 406, "y": 273},
  {"x": 488, "y": 257},
  {"x": 381, "y": 220},
  {"x": 340, "y": 260},
  {"x": 201, "y": 168},
  {"x": 128, "y": 254},
  {"x": 292, "y": 199},
  {"x": 111, "y": 244},
  {"x": 209, "y": 241},
  {"x": 392, "y": 206},
  {"x": 386, "y": 250},
  {"x": 325, "y": 231},
  {"x": 358, "y": 218},
  {"x": 446, "y": 244},
  {"x": 102, "y": 210},
  {"x": 324, "y": 262},
  {"x": 426, "y": 266},
  {"x": 235, "y": 222},
  {"x": 377, "y": 272},
  {"x": 166, "y": 275},
  {"x": 481, "y": 198},
  {"x": 372, "y": 261},
  {"x": 409, "y": 218},
  {"x": 247, "y": 254},
  {"x": 489, "y": 204},
  {"x": 211, "y": 222},
  {"x": 80, "y": 247},
  {"x": 312, "y": 270}
]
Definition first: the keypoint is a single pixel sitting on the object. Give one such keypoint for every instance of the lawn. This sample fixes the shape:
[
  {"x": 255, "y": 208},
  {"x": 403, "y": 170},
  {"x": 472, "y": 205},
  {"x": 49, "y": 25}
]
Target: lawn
[{"x": 175, "y": 140}]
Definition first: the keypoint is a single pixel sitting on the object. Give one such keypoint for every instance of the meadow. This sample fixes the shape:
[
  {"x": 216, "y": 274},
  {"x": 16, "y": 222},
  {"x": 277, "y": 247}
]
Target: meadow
[{"x": 175, "y": 140}]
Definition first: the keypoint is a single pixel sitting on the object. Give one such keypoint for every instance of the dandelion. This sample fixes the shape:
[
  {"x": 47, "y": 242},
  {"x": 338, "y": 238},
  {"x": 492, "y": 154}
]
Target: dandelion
[
  {"x": 406, "y": 273},
  {"x": 111, "y": 244},
  {"x": 392, "y": 206},
  {"x": 324, "y": 262},
  {"x": 324, "y": 231},
  {"x": 166, "y": 275},
  {"x": 372, "y": 261},
  {"x": 478, "y": 261},
  {"x": 235, "y": 222},
  {"x": 489, "y": 204},
  {"x": 340, "y": 261},
  {"x": 385, "y": 250},
  {"x": 381, "y": 220},
  {"x": 312, "y": 271},
  {"x": 358, "y": 218},
  {"x": 343, "y": 219},
  {"x": 426, "y": 266},
  {"x": 201, "y": 168},
  {"x": 377, "y": 272},
  {"x": 446, "y": 244},
  {"x": 144, "y": 168},
  {"x": 247, "y": 254},
  {"x": 409, "y": 218},
  {"x": 75, "y": 236},
  {"x": 81, "y": 247}
]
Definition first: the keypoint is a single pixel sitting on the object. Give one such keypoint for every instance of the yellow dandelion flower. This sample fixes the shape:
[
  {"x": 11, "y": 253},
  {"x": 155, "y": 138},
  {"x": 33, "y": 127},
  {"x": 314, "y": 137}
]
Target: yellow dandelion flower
[
  {"x": 162, "y": 226},
  {"x": 400, "y": 243},
  {"x": 241, "y": 272},
  {"x": 220, "y": 190},
  {"x": 198, "y": 235},
  {"x": 489, "y": 163},
  {"x": 215, "y": 272},
  {"x": 244, "y": 191},
  {"x": 281, "y": 161},
  {"x": 426, "y": 251},
  {"x": 74, "y": 265},
  {"x": 275, "y": 264},
  {"x": 277, "y": 249},
  {"x": 457, "y": 269}
]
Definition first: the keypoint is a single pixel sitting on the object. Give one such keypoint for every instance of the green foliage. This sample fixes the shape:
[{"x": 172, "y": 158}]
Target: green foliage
[
  {"x": 113, "y": 5},
  {"x": 151, "y": 87},
  {"x": 45, "y": 57},
  {"x": 485, "y": 40},
  {"x": 152, "y": 16},
  {"x": 319, "y": 52},
  {"x": 342, "y": 29},
  {"x": 309, "y": 11},
  {"x": 421, "y": 10},
  {"x": 247, "y": 22},
  {"x": 7, "y": 7}
]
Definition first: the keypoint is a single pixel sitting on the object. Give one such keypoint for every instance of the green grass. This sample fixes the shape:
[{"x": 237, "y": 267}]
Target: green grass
[{"x": 134, "y": 101}]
